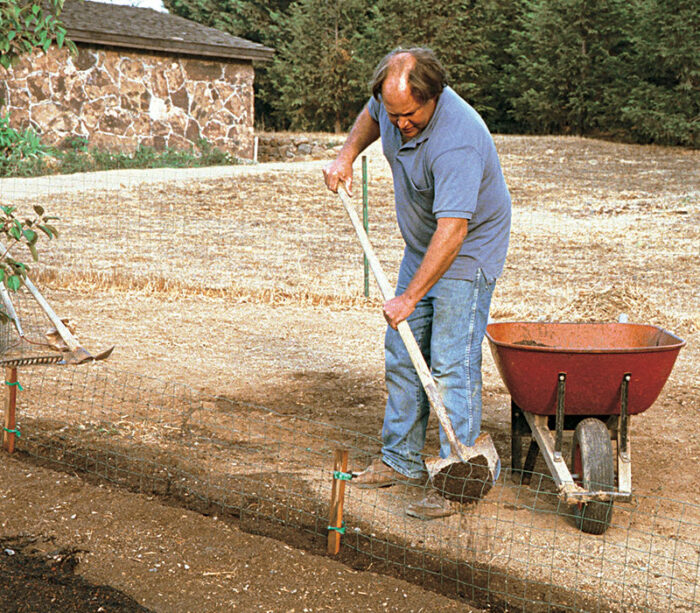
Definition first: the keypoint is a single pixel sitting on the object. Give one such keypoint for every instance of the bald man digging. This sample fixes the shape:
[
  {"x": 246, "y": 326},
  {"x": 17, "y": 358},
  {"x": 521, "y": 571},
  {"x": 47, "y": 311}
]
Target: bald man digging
[{"x": 453, "y": 209}]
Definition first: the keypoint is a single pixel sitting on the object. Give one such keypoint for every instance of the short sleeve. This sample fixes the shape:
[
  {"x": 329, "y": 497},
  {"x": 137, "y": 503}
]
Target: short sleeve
[
  {"x": 457, "y": 175},
  {"x": 373, "y": 107}
]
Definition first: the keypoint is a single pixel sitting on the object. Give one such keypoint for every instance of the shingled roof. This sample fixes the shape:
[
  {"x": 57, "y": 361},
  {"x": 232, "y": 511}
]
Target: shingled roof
[{"x": 141, "y": 28}]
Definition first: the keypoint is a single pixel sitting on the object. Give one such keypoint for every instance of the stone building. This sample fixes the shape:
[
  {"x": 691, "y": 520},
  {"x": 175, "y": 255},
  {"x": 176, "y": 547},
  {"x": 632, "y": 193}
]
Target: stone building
[{"x": 140, "y": 77}]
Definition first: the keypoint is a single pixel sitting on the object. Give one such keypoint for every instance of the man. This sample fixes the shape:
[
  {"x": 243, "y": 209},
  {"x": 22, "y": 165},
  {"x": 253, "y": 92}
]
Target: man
[{"x": 453, "y": 209}]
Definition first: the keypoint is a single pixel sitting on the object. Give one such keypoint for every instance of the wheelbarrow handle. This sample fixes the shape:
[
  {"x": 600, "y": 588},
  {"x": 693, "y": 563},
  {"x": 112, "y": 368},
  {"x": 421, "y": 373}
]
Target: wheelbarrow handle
[{"x": 404, "y": 330}]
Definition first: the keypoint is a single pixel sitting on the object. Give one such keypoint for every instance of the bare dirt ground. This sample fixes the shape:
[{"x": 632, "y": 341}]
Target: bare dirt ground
[{"x": 274, "y": 315}]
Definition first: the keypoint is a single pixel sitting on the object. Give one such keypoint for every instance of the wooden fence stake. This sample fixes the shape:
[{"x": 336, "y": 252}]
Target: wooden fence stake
[
  {"x": 335, "y": 522},
  {"x": 8, "y": 434}
]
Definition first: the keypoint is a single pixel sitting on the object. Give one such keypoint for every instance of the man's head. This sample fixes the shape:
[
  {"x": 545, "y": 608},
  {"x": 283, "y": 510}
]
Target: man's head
[{"x": 409, "y": 82}]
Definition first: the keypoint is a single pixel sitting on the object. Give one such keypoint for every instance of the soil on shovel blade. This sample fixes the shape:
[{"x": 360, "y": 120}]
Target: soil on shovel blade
[
  {"x": 30, "y": 581},
  {"x": 464, "y": 482}
]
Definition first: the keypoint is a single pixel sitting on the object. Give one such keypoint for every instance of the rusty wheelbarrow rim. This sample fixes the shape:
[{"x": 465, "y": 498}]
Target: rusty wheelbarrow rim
[{"x": 678, "y": 344}]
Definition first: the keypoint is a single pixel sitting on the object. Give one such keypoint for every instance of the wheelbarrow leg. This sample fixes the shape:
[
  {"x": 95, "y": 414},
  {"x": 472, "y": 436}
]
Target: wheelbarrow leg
[
  {"x": 530, "y": 460},
  {"x": 624, "y": 460},
  {"x": 518, "y": 428}
]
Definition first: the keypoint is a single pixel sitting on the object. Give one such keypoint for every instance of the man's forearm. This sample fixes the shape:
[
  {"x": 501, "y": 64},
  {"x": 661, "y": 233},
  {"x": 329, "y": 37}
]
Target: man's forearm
[
  {"x": 442, "y": 252},
  {"x": 362, "y": 134}
]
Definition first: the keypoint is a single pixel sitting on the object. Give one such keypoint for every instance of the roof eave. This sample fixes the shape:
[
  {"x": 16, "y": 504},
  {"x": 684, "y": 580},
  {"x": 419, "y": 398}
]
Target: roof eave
[{"x": 151, "y": 44}]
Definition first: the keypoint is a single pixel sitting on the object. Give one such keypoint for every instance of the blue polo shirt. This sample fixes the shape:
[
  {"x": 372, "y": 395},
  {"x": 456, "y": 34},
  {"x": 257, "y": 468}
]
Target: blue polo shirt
[{"x": 451, "y": 169}]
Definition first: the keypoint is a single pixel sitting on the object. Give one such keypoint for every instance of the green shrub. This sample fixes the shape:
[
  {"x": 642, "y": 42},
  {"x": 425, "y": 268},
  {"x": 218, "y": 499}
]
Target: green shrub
[
  {"x": 20, "y": 150},
  {"x": 23, "y": 155}
]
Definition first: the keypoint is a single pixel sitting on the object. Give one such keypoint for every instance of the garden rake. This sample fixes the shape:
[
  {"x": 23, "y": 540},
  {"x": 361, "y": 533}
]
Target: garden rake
[{"x": 73, "y": 353}]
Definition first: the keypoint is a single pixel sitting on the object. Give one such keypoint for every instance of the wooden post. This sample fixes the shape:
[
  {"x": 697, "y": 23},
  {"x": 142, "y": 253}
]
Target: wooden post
[
  {"x": 8, "y": 435},
  {"x": 340, "y": 464}
]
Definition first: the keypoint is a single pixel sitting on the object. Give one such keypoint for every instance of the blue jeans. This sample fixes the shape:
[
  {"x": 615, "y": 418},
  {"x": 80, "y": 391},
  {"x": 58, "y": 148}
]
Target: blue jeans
[{"x": 449, "y": 324}]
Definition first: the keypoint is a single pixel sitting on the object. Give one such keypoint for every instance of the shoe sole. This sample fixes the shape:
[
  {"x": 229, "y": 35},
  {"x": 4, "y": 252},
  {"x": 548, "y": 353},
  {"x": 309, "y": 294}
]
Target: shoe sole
[
  {"x": 376, "y": 486},
  {"x": 373, "y": 486},
  {"x": 427, "y": 516}
]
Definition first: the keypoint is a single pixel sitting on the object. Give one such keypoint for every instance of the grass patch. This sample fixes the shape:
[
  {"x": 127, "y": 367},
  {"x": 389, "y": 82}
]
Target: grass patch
[{"x": 74, "y": 157}]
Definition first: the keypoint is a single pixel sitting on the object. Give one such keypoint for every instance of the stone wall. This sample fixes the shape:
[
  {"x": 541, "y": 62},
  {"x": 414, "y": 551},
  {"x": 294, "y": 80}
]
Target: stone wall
[
  {"x": 283, "y": 147},
  {"x": 118, "y": 99}
]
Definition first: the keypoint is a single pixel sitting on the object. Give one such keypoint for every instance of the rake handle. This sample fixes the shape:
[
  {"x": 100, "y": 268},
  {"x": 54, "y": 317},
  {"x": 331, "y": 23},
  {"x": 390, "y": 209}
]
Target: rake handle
[
  {"x": 404, "y": 330},
  {"x": 64, "y": 332}
]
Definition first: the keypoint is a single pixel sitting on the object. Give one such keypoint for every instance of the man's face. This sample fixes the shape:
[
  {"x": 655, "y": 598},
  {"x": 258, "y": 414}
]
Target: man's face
[{"x": 405, "y": 112}]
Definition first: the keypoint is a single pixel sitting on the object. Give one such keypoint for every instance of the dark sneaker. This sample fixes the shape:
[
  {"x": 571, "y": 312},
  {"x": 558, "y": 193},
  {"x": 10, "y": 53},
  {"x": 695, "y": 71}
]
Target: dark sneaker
[
  {"x": 378, "y": 474},
  {"x": 433, "y": 506}
]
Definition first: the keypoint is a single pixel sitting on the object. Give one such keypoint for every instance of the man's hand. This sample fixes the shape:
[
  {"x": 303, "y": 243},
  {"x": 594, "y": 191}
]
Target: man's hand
[
  {"x": 362, "y": 134},
  {"x": 338, "y": 171},
  {"x": 397, "y": 310},
  {"x": 442, "y": 251}
]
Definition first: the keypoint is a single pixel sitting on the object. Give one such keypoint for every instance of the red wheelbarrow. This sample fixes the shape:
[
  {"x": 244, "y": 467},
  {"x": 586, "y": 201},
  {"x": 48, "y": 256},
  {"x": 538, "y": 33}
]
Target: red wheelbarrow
[{"x": 589, "y": 378}]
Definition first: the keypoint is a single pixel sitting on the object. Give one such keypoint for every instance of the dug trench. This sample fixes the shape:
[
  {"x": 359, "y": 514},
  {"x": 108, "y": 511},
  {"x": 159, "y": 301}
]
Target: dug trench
[{"x": 281, "y": 506}]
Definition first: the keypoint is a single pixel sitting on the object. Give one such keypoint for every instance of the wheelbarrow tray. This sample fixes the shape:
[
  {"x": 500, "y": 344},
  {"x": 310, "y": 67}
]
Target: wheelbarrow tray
[{"x": 595, "y": 357}]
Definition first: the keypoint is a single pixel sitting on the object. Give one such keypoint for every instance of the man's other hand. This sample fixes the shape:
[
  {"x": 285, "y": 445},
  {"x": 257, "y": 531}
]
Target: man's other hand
[{"x": 397, "y": 310}]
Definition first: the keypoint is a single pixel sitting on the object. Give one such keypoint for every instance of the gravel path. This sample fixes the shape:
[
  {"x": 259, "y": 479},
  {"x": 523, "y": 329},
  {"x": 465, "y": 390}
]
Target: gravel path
[{"x": 16, "y": 188}]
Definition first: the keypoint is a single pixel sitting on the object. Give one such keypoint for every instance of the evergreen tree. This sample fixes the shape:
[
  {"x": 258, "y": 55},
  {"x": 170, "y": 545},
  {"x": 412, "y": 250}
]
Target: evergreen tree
[
  {"x": 662, "y": 103},
  {"x": 453, "y": 29},
  {"x": 574, "y": 58},
  {"x": 621, "y": 68},
  {"x": 504, "y": 32},
  {"x": 319, "y": 80}
]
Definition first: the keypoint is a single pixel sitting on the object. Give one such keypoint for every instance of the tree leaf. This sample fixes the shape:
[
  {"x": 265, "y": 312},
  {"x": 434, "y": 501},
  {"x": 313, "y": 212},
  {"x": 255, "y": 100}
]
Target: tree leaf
[
  {"x": 30, "y": 235},
  {"x": 46, "y": 230},
  {"x": 51, "y": 229}
]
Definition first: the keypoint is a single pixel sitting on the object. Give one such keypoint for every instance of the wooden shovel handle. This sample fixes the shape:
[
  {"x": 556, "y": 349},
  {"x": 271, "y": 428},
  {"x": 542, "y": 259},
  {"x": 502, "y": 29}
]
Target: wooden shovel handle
[{"x": 404, "y": 329}]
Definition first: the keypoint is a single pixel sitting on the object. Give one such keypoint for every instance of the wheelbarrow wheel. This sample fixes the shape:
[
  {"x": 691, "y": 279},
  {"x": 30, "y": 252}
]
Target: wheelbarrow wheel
[{"x": 592, "y": 461}]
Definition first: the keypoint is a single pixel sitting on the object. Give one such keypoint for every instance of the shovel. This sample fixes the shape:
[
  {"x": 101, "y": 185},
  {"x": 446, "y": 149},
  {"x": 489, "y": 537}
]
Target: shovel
[{"x": 468, "y": 472}]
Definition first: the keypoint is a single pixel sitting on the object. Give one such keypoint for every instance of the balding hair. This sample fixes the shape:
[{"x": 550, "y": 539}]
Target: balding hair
[{"x": 426, "y": 75}]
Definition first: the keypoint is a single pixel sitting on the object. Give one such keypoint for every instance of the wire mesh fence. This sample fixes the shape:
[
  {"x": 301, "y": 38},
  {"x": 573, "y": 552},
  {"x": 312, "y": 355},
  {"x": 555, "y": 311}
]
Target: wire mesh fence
[
  {"x": 268, "y": 237},
  {"x": 516, "y": 549}
]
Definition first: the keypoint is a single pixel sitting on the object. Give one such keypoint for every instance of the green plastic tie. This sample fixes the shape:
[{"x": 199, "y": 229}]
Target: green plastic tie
[
  {"x": 342, "y": 476},
  {"x": 17, "y": 383},
  {"x": 340, "y": 530},
  {"x": 15, "y": 431}
]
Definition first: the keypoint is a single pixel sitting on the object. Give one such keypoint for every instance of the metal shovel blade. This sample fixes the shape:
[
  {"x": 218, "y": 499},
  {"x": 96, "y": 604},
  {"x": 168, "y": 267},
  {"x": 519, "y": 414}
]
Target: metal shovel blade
[
  {"x": 80, "y": 356},
  {"x": 469, "y": 477}
]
